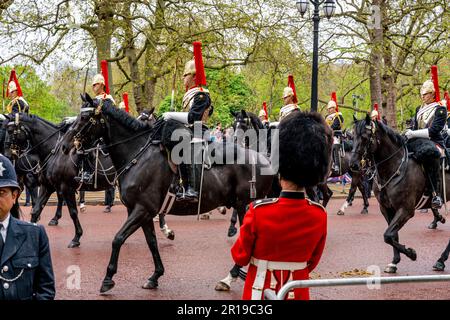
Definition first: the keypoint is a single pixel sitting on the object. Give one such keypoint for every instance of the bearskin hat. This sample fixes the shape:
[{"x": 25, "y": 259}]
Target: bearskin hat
[{"x": 305, "y": 144}]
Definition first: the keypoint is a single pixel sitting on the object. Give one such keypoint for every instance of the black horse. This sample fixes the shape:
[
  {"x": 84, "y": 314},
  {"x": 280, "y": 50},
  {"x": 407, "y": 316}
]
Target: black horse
[
  {"x": 400, "y": 181},
  {"x": 145, "y": 177},
  {"x": 57, "y": 171}
]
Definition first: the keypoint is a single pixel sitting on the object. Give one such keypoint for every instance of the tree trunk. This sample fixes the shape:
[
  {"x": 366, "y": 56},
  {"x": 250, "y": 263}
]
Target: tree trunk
[
  {"x": 130, "y": 53},
  {"x": 150, "y": 74},
  {"x": 375, "y": 67},
  {"x": 103, "y": 34}
]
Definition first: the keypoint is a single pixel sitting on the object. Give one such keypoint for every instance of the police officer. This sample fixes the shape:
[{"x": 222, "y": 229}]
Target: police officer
[
  {"x": 430, "y": 123},
  {"x": 279, "y": 250},
  {"x": 197, "y": 103},
  {"x": 335, "y": 120},
  {"x": 26, "y": 270},
  {"x": 18, "y": 103}
]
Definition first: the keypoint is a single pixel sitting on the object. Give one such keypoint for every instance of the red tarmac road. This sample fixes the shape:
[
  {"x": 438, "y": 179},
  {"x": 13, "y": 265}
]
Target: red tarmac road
[{"x": 200, "y": 256}]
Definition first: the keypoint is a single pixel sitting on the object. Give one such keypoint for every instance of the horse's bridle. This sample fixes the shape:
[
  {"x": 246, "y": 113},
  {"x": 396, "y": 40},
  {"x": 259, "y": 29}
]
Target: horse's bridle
[
  {"x": 366, "y": 152},
  {"x": 79, "y": 135}
]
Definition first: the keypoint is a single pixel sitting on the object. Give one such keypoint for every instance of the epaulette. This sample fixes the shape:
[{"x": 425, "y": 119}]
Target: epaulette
[
  {"x": 261, "y": 202},
  {"x": 312, "y": 203}
]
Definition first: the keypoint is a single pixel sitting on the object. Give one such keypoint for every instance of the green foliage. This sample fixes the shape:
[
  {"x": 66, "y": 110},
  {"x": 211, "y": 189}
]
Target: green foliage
[{"x": 37, "y": 93}]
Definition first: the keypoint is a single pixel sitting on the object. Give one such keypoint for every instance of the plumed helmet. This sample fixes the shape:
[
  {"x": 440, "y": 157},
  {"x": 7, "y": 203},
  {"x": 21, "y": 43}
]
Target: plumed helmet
[
  {"x": 98, "y": 78},
  {"x": 122, "y": 105},
  {"x": 12, "y": 87},
  {"x": 8, "y": 177},
  {"x": 374, "y": 113},
  {"x": 305, "y": 144},
  {"x": 331, "y": 104},
  {"x": 189, "y": 68},
  {"x": 262, "y": 113},
  {"x": 288, "y": 92},
  {"x": 427, "y": 87}
]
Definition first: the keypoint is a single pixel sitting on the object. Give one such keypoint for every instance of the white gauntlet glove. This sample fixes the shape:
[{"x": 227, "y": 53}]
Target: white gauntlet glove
[{"x": 423, "y": 133}]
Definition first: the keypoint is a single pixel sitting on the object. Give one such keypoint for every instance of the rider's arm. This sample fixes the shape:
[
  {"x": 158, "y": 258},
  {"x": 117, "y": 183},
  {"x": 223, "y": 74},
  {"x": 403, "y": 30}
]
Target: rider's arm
[
  {"x": 201, "y": 102},
  {"x": 440, "y": 118}
]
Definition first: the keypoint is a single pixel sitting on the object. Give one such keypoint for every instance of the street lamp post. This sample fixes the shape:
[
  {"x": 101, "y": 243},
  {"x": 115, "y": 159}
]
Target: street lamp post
[{"x": 328, "y": 8}]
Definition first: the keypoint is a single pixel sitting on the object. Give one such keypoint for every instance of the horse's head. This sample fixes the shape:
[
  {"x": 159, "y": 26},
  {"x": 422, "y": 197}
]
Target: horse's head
[
  {"x": 365, "y": 142},
  {"x": 242, "y": 123},
  {"x": 17, "y": 139},
  {"x": 88, "y": 127}
]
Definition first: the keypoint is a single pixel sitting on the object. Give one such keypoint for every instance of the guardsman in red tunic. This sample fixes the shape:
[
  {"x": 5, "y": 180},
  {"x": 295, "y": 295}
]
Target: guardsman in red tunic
[{"x": 282, "y": 239}]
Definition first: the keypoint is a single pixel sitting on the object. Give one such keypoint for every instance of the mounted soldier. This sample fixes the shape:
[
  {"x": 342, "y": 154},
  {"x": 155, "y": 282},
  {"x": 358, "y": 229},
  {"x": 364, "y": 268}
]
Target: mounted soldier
[
  {"x": 280, "y": 250},
  {"x": 335, "y": 120},
  {"x": 375, "y": 115},
  {"x": 289, "y": 99},
  {"x": 430, "y": 123},
  {"x": 14, "y": 92},
  {"x": 264, "y": 116},
  {"x": 100, "y": 88},
  {"x": 198, "y": 107}
]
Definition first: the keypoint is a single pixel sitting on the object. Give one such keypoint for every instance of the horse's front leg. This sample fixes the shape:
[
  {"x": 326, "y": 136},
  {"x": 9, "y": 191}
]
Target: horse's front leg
[
  {"x": 58, "y": 213},
  {"x": 391, "y": 238},
  {"x": 71, "y": 202},
  {"x": 134, "y": 221}
]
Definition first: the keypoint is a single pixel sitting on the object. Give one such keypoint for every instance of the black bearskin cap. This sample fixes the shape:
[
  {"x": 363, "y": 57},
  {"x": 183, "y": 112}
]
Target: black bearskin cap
[{"x": 305, "y": 144}]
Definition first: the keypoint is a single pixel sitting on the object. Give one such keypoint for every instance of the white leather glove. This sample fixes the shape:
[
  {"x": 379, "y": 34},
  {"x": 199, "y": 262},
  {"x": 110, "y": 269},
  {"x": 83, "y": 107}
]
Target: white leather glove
[{"x": 423, "y": 133}]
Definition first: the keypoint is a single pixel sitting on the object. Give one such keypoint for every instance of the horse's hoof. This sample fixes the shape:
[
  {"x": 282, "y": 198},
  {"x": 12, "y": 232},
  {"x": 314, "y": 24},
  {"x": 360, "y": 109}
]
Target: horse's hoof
[
  {"x": 442, "y": 220},
  {"x": 340, "y": 213},
  {"x": 412, "y": 254},
  {"x": 390, "y": 269},
  {"x": 350, "y": 203},
  {"x": 205, "y": 217},
  {"x": 439, "y": 266},
  {"x": 53, "y": 222},
  {"x": 107, "y": 285},
  {"x": 221, "y": 286},
  {"x": 364, "y": 211},
  {"x": 432, "y": 225},
  {"x": 74, "y": 244},
  {"x": 222, "y": 210},
  {"x": 83, "y": 209},
  {"x": 150, "y": 284},
  {"x": 171, "y": 235},
  {"x": 232, "y": 231}
]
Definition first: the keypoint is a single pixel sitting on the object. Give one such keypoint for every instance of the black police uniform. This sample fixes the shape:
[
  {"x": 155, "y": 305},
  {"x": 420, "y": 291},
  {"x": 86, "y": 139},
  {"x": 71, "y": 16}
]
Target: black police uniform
[{"x": 26, "y": 271}]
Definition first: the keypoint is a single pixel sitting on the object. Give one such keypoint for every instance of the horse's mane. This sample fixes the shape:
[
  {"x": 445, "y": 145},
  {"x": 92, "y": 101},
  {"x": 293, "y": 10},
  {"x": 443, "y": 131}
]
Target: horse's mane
[
  {"x": 360, "y": 126},
  {"x": 124, "y": 118},
  {"x": 33, "y": 118},
  {"x": 256, "y": 121}
]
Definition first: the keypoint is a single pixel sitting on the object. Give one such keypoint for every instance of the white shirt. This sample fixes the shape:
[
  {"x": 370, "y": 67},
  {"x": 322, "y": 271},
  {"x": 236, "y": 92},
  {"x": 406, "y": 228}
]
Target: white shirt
[{"x": 5, "y": 224}]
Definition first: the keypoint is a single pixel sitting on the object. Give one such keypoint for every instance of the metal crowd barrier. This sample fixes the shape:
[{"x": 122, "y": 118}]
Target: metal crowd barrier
[{"x": 270, "y": 294}]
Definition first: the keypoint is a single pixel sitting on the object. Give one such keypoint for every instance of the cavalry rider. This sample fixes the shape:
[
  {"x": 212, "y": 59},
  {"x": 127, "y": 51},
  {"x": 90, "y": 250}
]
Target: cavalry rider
[
  {"x": 429, "y": 123},
  {"x": 263, "y": 116},
  {"x": 197, "y": 103},
  {"x": 374, "y": 115},
  {"x": 335, "y": 120},
  {"x": 289, "y": 99},
  {"x": 18, "y": 103},
  {"x": 283, "y": 238}
]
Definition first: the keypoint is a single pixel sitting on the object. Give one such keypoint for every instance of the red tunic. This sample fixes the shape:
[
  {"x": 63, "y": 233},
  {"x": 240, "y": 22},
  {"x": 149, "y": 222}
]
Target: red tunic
[{"x": 288, "y": 229}]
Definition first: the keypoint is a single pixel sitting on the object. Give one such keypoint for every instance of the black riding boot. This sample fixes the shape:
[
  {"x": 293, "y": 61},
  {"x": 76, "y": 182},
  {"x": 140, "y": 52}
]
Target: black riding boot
[
  {"x": 435, "y": 179},
  {"x": 336, "y": 158},
  {"x": 190, "y": 175}
]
